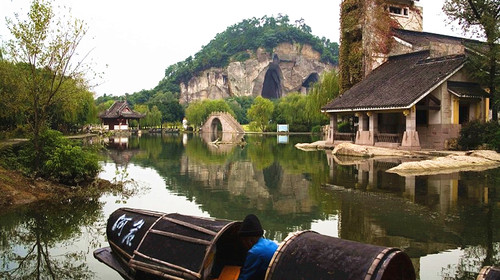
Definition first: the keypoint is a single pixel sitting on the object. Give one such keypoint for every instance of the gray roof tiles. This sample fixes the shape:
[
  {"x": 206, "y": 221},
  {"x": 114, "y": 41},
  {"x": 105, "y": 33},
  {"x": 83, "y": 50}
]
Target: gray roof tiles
[
  {"x": 120, "y": 109},
  {"x": 398, "y": 83}
]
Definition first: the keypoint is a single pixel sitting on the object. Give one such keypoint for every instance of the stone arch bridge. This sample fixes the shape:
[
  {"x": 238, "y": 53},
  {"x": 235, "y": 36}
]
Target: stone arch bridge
[{"x": 222, "y": 122}]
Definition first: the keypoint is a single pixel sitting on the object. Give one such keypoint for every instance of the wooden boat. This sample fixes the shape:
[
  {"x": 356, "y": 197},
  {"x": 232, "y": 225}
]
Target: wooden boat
[
  {"x": 152, "y": 245},
  {"x": 489, "y": 273}
]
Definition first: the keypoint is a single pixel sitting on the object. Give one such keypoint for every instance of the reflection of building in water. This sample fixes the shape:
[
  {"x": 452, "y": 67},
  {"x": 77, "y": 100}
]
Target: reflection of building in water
[
  {"x": 117, "y": 142},
  {"x": 438, "y": 192},
  {"x": 285, "y": 193},
  {"x": 119, "y": 151},
  {"x": 422, "y": 214}
]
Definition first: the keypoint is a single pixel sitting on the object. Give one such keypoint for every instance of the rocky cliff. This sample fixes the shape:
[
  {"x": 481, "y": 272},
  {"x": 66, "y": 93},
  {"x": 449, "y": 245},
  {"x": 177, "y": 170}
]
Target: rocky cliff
[{"x": 289, "y": 68}]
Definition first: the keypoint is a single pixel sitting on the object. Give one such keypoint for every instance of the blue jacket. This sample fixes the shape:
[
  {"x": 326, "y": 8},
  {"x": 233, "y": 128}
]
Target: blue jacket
[{"x": 258, "y": 259}]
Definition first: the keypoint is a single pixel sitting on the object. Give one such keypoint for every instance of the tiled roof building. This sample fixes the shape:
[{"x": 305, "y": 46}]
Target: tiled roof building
[
  {"x": 118, "y": 115},
  {"x": 416, "y": 96}
]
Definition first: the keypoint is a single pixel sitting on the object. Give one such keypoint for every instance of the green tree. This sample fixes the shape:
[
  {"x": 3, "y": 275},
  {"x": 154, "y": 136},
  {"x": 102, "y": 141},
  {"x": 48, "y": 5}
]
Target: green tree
[
  {"x": 197, "y": 112},
  {"x": 240, "y": 106},
  {"x": 168, "y": 105},
  {"x": 11, "y": 105},
  {"x": 155, "y": 117},
  {"x": 46, "y": 46},
  {"x": 323, "y": 92},
  {"x": 481, "y": 18},
  {"x": 303, "y": 112},
  {"x": 217, "y": 105},
  {"x": 143, "y": 109},
  {"x": 260, "y": 112},
  {"x": 76, "y": 110},
  {"x": 140, "y": 97},
  {"x": 290, "y": 110}
]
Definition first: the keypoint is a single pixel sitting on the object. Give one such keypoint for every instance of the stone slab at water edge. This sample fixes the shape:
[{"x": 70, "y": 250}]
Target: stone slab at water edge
[
  {"x": 436, "y": 162},
  {"x": 468, "y": 161}
]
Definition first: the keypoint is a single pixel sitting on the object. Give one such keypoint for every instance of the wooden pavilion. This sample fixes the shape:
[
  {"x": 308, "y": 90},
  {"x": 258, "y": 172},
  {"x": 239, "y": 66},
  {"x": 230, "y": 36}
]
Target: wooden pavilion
[{"x": 118, "y": 115}]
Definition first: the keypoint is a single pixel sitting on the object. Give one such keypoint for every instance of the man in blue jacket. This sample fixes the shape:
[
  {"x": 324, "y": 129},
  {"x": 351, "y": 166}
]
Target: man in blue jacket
[{"x": 260, "y": 249}]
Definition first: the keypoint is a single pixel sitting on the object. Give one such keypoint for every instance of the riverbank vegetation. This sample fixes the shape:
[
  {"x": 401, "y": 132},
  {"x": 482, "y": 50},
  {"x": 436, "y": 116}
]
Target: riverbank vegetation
[
  {"x": 44, "y": 88},
  {"x": 60, "y": 160},
  {"x": 479, "y": 135}
]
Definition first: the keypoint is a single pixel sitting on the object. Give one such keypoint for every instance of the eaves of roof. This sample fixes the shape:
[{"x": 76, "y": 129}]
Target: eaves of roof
[{"x": 398, "y": 84}]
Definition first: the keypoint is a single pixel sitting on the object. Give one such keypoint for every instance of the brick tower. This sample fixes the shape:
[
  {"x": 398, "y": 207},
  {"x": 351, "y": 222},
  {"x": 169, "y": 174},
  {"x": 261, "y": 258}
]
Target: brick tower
[{"x": 366, "y": 34}]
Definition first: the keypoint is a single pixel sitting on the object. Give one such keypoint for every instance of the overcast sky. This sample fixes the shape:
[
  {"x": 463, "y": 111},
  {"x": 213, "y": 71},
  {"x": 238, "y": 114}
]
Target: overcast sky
[{"x": 133, "y": 42}]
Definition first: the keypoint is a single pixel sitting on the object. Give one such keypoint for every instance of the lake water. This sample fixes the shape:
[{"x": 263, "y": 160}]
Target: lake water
[{"x": 448, "y": 224}]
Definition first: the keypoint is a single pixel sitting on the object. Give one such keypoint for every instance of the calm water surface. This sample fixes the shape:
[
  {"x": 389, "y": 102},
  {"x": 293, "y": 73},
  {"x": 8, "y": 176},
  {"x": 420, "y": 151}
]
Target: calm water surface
[{"x": 448, "y": 224}]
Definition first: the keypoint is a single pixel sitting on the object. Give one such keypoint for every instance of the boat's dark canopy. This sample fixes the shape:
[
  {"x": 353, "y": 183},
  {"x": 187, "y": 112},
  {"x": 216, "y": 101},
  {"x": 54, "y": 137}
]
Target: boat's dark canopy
[
  {"x": 167, "y": 244},
  {"x": 153, "y": 245}
]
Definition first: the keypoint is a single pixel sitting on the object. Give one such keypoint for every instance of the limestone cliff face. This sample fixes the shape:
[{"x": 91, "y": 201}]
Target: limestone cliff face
[{"x": 289, "y": 68}]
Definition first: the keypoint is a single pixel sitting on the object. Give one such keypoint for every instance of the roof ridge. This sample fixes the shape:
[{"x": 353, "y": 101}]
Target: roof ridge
[
  {"x": 410, "y": 54},
  {"x": 441, "y": 58},
  {"x": 437, "y": 34}
]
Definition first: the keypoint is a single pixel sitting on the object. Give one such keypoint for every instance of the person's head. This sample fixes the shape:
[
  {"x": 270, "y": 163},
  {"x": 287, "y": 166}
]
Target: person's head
[{"x": 250, "y": 231}]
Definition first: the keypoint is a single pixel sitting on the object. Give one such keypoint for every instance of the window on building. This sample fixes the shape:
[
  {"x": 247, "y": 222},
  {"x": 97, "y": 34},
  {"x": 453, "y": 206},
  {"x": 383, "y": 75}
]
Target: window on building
[
  {"x": 394, "y": 10},
  {"x": 398, "y": 11}
]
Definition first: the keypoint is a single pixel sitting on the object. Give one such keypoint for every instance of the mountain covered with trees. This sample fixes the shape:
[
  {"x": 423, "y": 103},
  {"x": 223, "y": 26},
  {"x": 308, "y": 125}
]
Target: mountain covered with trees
[{"x": 233, "y": 45}]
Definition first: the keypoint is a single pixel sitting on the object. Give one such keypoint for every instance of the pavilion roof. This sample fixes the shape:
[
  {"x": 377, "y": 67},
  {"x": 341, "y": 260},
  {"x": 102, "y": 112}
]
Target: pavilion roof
[{"x": 120, "y": 109}]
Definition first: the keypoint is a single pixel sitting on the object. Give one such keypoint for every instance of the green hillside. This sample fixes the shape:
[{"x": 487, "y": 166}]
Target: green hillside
[{"x": 234, "y": 43}]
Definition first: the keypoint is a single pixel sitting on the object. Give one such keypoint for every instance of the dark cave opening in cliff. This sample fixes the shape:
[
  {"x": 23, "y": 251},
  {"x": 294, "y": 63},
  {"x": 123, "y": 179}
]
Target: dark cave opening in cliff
[
  {"x": 310, "y": 81},
  {"x": 271, "y": 89}
]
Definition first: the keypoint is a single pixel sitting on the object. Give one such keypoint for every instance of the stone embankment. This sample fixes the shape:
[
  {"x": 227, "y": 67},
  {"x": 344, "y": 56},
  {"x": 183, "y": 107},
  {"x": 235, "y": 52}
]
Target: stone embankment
[{"x": 418, "y": 162}]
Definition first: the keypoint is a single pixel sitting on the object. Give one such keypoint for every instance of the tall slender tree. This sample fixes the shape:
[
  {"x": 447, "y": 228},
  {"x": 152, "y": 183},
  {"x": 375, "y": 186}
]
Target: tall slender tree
[
  {"x": 46, "y": 46},
  {"x": 481, "y": 18}
]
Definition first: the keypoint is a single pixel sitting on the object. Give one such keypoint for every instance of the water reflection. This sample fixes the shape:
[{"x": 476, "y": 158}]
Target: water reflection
[
  {"x": 35, "y": 240},
  {"x": 448, "y": 224},
  {"x": 425, "y": 215},
  {"x": 259, "y": 177}
]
